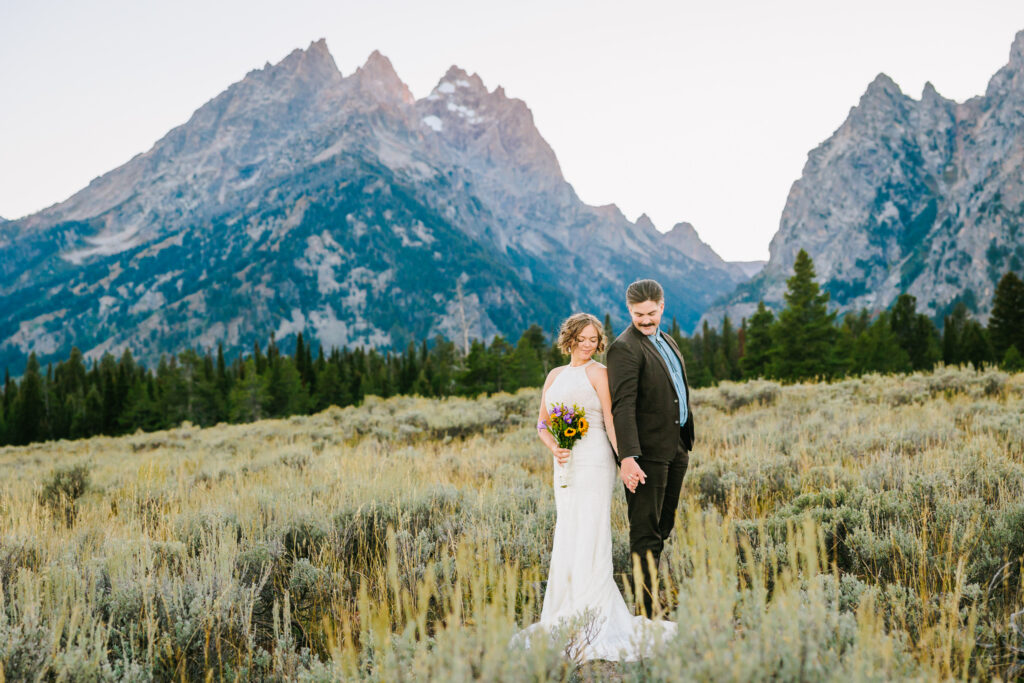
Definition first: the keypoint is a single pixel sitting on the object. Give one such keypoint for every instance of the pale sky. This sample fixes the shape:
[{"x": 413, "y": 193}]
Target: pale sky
[{"x": 686, "y": 111}]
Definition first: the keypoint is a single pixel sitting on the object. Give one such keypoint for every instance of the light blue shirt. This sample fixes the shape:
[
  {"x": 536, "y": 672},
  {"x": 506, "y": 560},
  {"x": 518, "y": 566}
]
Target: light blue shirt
[{"x": 675, "y": 370}]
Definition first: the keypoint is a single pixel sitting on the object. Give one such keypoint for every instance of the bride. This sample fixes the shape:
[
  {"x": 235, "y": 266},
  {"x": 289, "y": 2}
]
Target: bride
[{"x": 580, "y": 580}]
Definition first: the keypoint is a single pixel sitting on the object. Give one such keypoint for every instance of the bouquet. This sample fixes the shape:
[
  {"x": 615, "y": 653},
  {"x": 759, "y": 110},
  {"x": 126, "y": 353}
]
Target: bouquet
[{"x": 568, "y": 424}]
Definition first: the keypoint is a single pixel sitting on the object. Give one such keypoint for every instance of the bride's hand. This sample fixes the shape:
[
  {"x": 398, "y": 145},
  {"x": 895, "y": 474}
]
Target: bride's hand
[
  {"x": 631, "y": 474},
  {"x": 561, "y": 455}
]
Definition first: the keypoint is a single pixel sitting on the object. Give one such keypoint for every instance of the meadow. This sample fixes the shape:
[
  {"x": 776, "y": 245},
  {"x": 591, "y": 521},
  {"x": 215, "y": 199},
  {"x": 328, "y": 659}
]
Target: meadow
[{"x": 866, "y": 529}]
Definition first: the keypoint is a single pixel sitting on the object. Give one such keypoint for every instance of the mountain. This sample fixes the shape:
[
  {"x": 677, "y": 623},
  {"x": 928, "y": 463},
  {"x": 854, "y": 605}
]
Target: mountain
[
  {"x": 922, "y": 196},
  {"x": 748, "y": 268},
  {"x": 684, "y": 237},
  {"x": 300, "y": 199}
]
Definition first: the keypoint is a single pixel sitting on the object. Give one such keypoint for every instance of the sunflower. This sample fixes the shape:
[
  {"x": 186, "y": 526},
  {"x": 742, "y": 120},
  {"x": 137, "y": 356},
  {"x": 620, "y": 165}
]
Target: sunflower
[
  {"x": 570, "y": 432},
  {"x": 584, "y": 426}
]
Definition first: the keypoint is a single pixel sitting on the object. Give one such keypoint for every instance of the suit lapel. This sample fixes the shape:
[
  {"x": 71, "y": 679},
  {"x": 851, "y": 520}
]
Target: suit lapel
[{"x": 645, "y": 341}]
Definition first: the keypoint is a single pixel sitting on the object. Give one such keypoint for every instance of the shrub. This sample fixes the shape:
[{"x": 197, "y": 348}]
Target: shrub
[{"x": 62, "y": 491}]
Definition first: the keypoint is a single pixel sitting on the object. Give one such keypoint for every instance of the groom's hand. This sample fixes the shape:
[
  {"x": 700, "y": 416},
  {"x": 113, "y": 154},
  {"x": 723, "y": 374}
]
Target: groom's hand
[{"x": 631, "y": 474}]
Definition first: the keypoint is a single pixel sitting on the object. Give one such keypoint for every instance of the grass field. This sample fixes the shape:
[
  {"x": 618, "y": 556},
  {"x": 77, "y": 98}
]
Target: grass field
[{"x": 869, "y": 529}]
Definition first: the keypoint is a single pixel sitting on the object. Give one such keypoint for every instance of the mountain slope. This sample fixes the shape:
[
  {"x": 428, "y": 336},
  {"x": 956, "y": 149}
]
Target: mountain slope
[
  {"x": 923, "y": 196},
  {"x": 303, "y": 200}
]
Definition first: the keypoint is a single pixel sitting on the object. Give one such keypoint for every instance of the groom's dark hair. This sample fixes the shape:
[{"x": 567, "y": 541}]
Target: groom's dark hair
[{"x": 644, "y": 290}]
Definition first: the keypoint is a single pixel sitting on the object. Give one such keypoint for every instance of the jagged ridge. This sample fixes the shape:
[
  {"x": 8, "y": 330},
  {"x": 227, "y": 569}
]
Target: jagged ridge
[
  {"x": 300, "y": 199},
  {"x": 920, "y": 196}
]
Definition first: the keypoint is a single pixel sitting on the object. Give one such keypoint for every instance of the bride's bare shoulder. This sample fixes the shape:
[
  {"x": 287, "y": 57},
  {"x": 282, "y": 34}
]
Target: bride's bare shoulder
[
  {"x": 555, "y": 372},
  {"x": 597, "y": 371}
]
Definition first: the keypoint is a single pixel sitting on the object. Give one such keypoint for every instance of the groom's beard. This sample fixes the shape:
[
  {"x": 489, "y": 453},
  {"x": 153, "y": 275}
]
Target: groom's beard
[{"x": 648, "y": 327}]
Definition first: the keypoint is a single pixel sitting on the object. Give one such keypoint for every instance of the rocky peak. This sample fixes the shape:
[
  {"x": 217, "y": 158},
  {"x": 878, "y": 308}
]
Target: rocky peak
[
  {"x": 1017, "y": 51},
  {"x": 1010, "y": 77},
  {"x": 881, "y": 106},
  {"x": 378, "y": 78},
  {"x": 644, "y": 222},
  {"x": 610, "y": 212},
  {"x": 493, "y": 130},
  {"x": 906, "y": 196},
  {"x": 881, "y": 89},
  {"x": 683, "y": 236},
  {"x": 683, "y": 233},
  {"x": 456, "y": 78},
  {"x": 312, "y": 66}
]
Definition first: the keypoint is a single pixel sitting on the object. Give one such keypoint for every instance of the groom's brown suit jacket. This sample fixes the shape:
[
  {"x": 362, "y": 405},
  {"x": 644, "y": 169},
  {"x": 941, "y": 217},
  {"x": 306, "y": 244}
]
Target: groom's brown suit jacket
[{"x": 645, "y": 408}]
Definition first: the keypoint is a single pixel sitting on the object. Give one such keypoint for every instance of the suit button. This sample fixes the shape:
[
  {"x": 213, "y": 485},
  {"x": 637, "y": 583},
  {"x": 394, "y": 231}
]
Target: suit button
[
  {"x": 675, "y": 400},
  {"x": 677, "y": 421}
]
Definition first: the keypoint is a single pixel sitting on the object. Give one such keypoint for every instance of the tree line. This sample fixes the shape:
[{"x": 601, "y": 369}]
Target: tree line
[
  {"x": 112, "y": 396},
  {"x": 807, "y": 341}
]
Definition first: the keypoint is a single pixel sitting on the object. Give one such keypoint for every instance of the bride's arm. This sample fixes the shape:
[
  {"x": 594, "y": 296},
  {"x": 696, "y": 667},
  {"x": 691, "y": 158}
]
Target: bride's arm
[
  {"x": 561, "y": 454},
  {"x": 599, "y": 379}
]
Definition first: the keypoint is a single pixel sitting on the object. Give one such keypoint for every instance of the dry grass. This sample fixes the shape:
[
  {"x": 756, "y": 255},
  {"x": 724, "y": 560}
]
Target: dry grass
[{"x": 871, "y": 529}]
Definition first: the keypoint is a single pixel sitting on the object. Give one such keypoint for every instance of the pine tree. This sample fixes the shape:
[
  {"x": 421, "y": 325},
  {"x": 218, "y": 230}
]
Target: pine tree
[
  {"x": 307, "y": 363},
  {"x": 741, "y": 341},
  {"x": 698, "y": 370},
  {"x": 527, "y": 363},
  {"x": 331, "y": 389},
  {"x": 92, "y": 423},
  {"x": 28, "y": 407},
  {"x": 409, "y": 369},
  {"x": 1006, "y": 322},
  {"x": 321, "y": 362},
  {"x": 173, "y": 392},
  {"x": 710, "y": 363},
  {"x": 75, "y": 381},
  {"x": 223, "y": 385},
  {"x": 609, "y": 330},
  {"x": 249, "y": 396},
  {"x": 729, "y": 351},
  {"x": 287, "y": 393},
  {"x": 442, "y": 360},
  {"x": 4, "y": 437},
  {"x": 273, "y": 353},
  {"x": 108, "y": 391},
  {"x": 976, "y": 346},
  {"x": 805, "y": 332},
  {"x": 141, "y": 408},
  {"x": 757, "y": 357},
  {"x": 878, "y": 349},
  {"x": 500, "y": 362},
  {"x": 915, "y": 332},
  {"x": 674, "y": 329},
  {"x": 258, "y": 358},
  {"x": 300, "y": 359},
  {"x": 1012, "y": 360},
  {"x": 854, "y": 325},
  {"x": 10, "y": 392},
  {"x": 953, "y": 326}
]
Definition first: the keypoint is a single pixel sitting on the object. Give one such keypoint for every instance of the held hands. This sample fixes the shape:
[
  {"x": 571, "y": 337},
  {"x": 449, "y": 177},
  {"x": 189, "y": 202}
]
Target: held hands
[
  {"x": 631, "y": 474},
  {"x": 561, "y": 455}
]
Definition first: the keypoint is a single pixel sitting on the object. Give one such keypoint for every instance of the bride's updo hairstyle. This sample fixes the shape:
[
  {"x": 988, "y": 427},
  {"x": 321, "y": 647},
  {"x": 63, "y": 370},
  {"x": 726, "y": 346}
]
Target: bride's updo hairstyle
[{"x": 572, "y": 327}]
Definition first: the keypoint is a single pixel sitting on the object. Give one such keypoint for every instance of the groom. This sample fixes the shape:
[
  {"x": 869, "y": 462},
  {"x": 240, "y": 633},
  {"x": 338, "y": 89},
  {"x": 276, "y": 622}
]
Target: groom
[{"x": 653, "y": 426}]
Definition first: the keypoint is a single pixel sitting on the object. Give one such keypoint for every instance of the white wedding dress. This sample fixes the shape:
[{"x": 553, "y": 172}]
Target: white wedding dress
[{"x": 580, "y": 578}]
